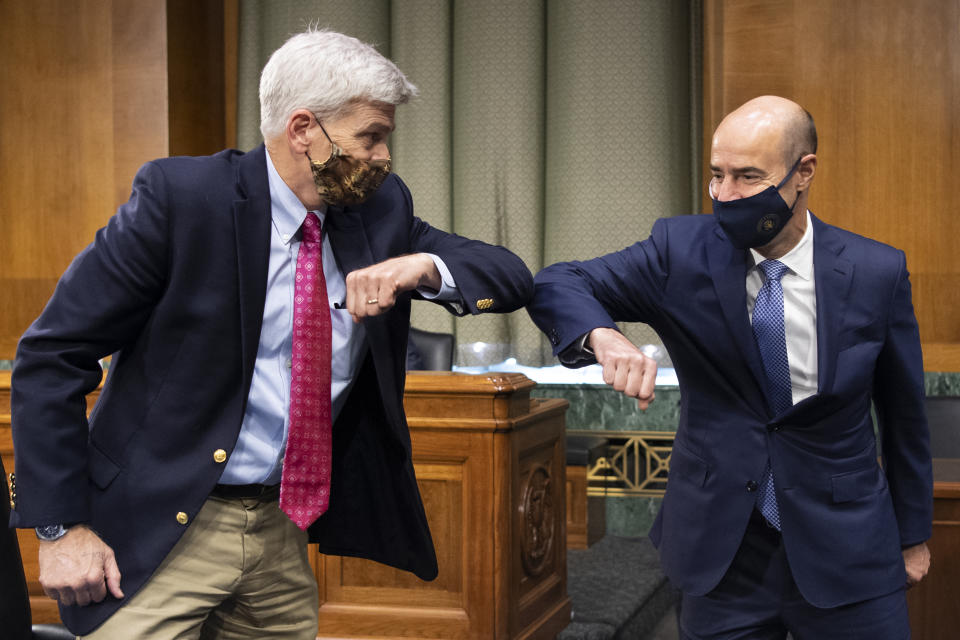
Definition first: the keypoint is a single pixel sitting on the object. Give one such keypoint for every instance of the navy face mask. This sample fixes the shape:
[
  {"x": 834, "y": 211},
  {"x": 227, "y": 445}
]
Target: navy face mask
[{"x": 755, "y": 221}]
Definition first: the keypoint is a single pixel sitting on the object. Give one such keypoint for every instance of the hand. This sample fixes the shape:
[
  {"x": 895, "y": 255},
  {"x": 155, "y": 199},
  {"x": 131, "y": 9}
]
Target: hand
[
  {"x": 383, "y": 282},
  {"x": 625, "y": 367},
  {"x": 79, "y": 568},
  {"x": 916, "y": 560}
]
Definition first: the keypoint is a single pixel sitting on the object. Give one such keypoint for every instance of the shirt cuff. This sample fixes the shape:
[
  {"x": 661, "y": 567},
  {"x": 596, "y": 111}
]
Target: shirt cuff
[
  {"x": 578, "y": 354},
  {"x": 448, "y": 287}
]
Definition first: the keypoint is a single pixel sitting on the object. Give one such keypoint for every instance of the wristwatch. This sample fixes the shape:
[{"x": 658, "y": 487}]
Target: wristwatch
[{"x": 51, "y": 532}]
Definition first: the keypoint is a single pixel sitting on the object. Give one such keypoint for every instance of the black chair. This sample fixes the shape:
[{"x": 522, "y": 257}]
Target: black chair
[
  {"x": 943, "y": 416},
  {"x": 429, "y": 351},
  {"x": 51, "y": 632},
  {"x": 583, "y": 451}
]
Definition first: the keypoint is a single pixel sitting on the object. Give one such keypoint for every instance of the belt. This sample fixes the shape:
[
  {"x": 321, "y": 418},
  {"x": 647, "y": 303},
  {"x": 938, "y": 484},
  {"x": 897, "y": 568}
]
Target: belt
[{"x": 248, "y": 491}]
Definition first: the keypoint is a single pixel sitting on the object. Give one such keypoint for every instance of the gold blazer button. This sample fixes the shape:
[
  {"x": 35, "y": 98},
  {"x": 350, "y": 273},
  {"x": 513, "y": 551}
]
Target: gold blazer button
[
  {"x": 183, "y": 518},
  {"x": 219, "y": 456},
  {"x": 484, "y": 303}
]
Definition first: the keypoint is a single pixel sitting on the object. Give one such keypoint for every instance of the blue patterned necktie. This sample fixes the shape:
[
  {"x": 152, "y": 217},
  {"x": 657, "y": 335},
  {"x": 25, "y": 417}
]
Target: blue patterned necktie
[{"x": 771, "y": 339}]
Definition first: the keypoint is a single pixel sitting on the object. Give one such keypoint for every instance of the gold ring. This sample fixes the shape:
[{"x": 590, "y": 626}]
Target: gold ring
[{"x": 372, "y": 301}]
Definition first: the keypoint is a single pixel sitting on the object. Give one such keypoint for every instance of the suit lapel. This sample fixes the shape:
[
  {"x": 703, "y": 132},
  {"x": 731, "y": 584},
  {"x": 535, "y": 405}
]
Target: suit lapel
[
  {"x": 348, "y": 237},
  {"x": 833, "y": 276},
  {"x": 728, "y": 267},
  {"x": 252, "y": 236},
  {"x": 352, "y": 249}
]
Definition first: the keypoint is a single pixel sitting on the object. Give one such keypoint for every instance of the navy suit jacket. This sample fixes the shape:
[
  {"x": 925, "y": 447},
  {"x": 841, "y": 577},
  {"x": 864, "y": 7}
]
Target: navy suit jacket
[
  {"x": 174, "y": 287},
  {"x": 844, "y": 517}
]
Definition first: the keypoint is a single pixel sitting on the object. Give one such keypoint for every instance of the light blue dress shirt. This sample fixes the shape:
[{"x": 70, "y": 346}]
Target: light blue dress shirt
[{"x": 258, "y": 455}]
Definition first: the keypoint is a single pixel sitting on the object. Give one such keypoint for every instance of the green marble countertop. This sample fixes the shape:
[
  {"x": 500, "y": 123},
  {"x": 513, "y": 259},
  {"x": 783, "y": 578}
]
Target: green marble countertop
[
  {"x": 600, "y": 408},
  {"x": 942, "y": 383}
]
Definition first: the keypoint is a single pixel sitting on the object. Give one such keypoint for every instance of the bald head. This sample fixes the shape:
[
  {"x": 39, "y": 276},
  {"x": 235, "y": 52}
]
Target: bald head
[
  {"x": 767, "y": 142},
  {"x": 772, "y": 120}
]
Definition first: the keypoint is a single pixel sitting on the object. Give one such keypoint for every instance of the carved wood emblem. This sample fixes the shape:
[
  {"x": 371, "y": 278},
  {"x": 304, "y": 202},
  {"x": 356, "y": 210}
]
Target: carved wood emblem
[{"x": 538, "y": 528}]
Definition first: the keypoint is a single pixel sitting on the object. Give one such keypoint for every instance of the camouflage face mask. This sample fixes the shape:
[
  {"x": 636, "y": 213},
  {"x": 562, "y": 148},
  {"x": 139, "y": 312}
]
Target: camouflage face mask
[{"x": 343, "y": 180}]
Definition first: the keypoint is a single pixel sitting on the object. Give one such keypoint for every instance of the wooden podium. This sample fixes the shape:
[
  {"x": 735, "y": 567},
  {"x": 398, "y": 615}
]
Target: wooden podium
[{"x": 490, "y": 464}]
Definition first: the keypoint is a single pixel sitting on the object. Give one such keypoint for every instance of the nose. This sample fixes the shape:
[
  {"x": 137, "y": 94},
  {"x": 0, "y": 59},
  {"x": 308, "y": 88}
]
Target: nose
[{"x": 380, "y": 151}]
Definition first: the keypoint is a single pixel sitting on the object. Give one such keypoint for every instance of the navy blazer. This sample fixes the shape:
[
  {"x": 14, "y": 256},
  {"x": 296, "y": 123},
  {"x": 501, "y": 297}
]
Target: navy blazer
[
  {"x": 14, "y": 599},
  {"x": 844, "y": 518},
  {"x": 174, "y": 287}
]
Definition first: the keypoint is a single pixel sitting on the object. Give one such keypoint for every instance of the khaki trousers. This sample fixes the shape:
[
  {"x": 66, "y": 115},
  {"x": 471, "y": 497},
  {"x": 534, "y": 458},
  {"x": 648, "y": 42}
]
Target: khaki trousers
[{"x": 239, "y": 571}]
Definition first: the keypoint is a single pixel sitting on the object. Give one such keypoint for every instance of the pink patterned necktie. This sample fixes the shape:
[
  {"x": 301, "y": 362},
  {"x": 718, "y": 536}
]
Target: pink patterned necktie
[{"x": 305, "y": 483}]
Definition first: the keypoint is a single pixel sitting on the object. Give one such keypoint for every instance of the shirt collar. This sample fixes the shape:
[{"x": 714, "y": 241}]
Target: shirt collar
[
  {"x": 286, "y": 209},
  {"x": 799, "y": 259}
]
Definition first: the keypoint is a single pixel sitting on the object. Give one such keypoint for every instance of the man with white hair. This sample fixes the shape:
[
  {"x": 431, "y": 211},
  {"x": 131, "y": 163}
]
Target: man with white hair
[{"x": 257, "y": 309}]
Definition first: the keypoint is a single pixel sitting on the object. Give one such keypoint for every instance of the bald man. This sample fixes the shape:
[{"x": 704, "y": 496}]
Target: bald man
[{"x": 784, "y": 332}]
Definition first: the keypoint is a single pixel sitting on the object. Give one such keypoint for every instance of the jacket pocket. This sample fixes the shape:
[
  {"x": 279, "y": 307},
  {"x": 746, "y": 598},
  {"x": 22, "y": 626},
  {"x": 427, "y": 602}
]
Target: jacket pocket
[
  {"x": 851, "y": 336},
  {"x": 857, "y": 484},
  {"x": 687, "y": 464},
  {"x": 102, "y": 469}
]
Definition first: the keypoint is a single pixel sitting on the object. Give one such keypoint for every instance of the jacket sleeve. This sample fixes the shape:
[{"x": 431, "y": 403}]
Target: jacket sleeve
[
  {"x": 899, "y": 401},
  {"x": 573, "y": 298},
  {"x": 490, "y": 278},
  {"x": 100, "y": 304}
]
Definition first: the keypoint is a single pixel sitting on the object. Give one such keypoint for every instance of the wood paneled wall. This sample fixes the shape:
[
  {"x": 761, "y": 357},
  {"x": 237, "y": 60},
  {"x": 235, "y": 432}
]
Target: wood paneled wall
[
  {"x": 89, "y": 91},
  {"x": 882, "y": 80}
]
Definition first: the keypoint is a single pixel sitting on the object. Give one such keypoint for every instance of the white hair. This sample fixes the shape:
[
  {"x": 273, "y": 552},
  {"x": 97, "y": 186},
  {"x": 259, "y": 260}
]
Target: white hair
[{"x": 325, "y": 72}]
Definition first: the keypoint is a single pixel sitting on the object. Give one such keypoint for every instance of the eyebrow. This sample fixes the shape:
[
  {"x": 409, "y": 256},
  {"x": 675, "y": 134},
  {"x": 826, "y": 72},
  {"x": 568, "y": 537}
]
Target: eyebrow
[
  {"x": 739, "y": 170},
  {"x": 376, "y": 127}
]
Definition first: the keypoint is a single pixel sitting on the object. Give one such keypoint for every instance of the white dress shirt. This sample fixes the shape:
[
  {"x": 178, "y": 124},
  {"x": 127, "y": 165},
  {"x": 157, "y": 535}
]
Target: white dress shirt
[
  {"x": 799, "y": 310},
  {"x": 258, "y": 455}
]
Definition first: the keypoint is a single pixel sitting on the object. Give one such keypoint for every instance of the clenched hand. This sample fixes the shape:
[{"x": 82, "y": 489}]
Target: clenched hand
[
  {"x": 79, "y": 568},
  {"x": 374, "y": 290},
  {"x": 916, "y": 560},
  {"x": 625, "y": 367}
]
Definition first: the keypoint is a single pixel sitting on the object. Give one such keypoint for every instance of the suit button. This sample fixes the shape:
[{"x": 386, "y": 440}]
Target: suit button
[
  {"x": 183, "y": 518},
  {"x": 751, "y": 486},
  {"x": 219, "y": 456}
]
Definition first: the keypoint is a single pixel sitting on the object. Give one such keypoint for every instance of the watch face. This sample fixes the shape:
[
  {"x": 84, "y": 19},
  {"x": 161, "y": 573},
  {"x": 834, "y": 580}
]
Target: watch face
[{"x": 50, "y": 531}]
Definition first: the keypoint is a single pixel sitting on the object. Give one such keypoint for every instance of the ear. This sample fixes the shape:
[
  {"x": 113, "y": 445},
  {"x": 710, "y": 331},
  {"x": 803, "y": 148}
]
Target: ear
[
  {"x": 300, "y": 130},
  {"x": 806, "y": 170}
]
